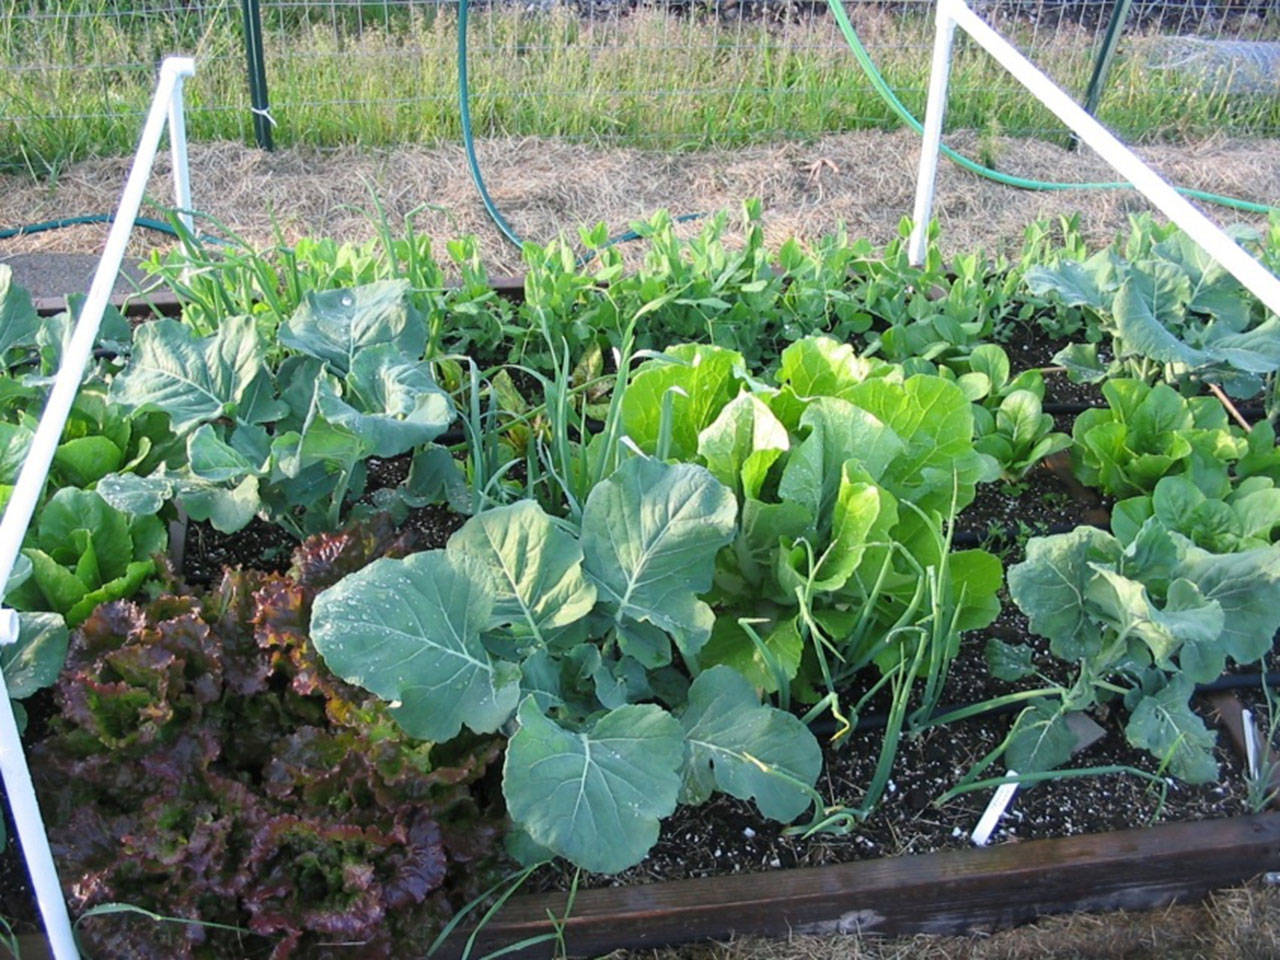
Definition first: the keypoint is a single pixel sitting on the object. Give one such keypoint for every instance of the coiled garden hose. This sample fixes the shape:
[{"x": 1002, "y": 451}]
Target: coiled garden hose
[
  {"x": 864, "y": 61},
  {"x": 1022, "y": 183}
]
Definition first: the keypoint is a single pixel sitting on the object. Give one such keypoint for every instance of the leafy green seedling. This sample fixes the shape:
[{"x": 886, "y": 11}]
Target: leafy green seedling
[
  {"x": 84, "y": 552},
  {"x": 1019, "y": 436}
]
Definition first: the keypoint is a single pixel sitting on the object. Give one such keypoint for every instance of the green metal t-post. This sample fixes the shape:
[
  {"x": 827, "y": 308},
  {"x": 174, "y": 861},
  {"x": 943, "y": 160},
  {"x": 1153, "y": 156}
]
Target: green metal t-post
[
  {"x": 257, "y": 73},
  {"x": 1102, "y": 66}
]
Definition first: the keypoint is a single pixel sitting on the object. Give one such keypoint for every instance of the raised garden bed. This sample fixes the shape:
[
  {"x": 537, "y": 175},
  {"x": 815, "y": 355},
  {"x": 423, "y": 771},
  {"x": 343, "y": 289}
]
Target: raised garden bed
[
  {"x": 952, "y": 892},
  {"x": 667, "y": 571}
]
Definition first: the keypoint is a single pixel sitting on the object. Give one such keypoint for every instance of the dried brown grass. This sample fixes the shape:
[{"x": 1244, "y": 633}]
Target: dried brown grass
[
  {"x": 544, "y": 187},
  {"x": 1239, "y": 924}
]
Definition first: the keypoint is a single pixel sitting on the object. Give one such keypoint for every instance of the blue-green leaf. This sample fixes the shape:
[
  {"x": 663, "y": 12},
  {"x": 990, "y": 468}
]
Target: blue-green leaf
[
  {"x": 34, "y": 660},
  {"x": 194, "y": 380},
  {"x": 390, "y": 402},
  {"x": 1041, "y": 739},
  {"x": 1164, "y": 724},
  {"x": 19, "y": 321},
  {"x": 336, "y": 325},
  {"x": 535, "y": 568},
  {"x": 746, "y": 749},
  {"x": 594, "y": 797},
  {"x": 1049, "y": 586},
  {"x": 650, "y": 534},
  {"x": 409, "y": 630}
]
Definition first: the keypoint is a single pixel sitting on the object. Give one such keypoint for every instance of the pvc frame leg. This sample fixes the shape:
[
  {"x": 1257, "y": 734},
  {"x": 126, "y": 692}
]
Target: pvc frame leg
[{"x": 935, "y": 112}]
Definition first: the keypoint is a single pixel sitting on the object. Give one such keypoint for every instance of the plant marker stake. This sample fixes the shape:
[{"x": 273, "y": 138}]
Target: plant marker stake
[
  {"x": 1085, "y": 733},
  {"x": 995, "y": 810},
  {"x": 1250, "y": 743},
  {"x": 31, "y": 480},
  {"x": 1260, "y": 281}
]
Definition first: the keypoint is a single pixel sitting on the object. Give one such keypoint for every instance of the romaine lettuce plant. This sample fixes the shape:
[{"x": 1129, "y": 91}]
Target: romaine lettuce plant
[
  {"x": 80, "y": 551},
  {"x": 1020, "y": 434},
  {"x": 84, "y": 552},
  {"x": 1245, "y": 518},
  {"x": 847, "y": 475},
  {"x": 1146, "y": 433}
]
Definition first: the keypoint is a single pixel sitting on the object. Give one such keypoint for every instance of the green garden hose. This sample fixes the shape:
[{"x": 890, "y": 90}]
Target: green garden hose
[
  {"x": 881, "y": 87},
  {"x": 468, "y": 141},
  {"x": 469, "y": 145},
  {"x": 860, "y": 54},
  {"x": 29, "y": 228},
  {"x": 1022, "y": 183}
]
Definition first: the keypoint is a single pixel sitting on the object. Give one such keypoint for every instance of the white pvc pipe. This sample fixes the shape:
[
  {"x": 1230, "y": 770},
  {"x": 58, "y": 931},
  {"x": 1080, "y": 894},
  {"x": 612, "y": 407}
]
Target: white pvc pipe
[
  {"x": 1260, "y": 281},
  {"x": 26, "y": 493},
  {"x": 935, "y": 111},
  {"x": 178, "y": 151}
]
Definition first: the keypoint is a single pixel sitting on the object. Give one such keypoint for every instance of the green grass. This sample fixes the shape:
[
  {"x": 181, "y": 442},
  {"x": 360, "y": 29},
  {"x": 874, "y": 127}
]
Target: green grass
[{"x": 367, "y": 75}]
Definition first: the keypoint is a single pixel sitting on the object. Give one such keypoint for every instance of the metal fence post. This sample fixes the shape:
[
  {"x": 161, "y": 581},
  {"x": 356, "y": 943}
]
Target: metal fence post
[
  {"x": 1102, "y": 66},
  {"x": 257, "y": 62}
]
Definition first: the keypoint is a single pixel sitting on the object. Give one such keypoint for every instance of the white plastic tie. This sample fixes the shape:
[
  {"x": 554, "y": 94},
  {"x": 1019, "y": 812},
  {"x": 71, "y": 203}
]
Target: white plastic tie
[{"x": 264, "y": 112}]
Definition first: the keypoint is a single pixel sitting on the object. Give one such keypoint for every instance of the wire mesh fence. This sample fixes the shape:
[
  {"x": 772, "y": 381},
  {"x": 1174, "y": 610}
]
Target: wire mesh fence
[{"x": 662, "y": 73}]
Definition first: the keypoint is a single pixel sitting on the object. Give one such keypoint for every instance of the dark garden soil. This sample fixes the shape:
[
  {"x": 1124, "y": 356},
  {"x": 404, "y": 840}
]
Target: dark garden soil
[
  {"x": 266, "y": 546},
  {"x": 1048, "y": 499},
  {"x": 1029, "y": 348},
  {"x": 260, "y": 545},
  {"x": 728, "y": 836},
  {"x": 17, "y": 902}
]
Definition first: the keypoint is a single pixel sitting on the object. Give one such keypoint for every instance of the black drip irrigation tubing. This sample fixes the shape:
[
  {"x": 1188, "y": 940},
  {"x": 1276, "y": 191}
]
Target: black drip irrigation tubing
[
  {"x": 1066, "y": 408},
  {"x": 827, "y": 726}
]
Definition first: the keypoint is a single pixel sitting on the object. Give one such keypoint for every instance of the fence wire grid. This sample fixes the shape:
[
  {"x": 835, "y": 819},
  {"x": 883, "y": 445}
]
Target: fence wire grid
[{"x": 669, "y": 74}]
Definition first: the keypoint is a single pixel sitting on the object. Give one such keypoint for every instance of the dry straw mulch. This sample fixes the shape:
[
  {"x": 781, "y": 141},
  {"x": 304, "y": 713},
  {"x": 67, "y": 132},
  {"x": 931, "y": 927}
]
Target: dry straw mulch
[{"x": 865, "y": 180}]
